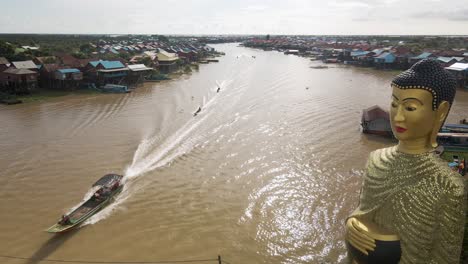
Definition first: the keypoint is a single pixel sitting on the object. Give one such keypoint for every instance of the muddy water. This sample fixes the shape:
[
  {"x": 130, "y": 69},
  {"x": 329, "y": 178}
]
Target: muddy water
[{"x": 265, "y": 173}]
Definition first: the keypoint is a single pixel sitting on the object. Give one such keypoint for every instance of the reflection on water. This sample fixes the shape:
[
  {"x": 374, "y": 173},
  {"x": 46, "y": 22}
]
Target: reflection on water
[{"x": 265, "y": 173}]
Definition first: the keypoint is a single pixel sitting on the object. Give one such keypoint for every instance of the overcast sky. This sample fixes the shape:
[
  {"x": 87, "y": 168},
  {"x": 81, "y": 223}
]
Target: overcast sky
[{"x": 326, "y": 17}]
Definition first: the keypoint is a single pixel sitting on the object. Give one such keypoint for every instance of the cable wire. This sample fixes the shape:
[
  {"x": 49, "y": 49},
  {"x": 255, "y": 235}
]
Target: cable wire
[{"x": 112, "y": 262}]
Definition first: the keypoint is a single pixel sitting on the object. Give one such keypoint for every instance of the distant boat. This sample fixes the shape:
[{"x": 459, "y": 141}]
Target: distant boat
[
  {"x": 198, "y": 111},
  {"x": 114, "y": 88},
  {"x": 319, "y": 67},
  {"x": 108, "y": 187},
  {"x": 454, "y": 128},
  {"x": 376, "y": 121}
]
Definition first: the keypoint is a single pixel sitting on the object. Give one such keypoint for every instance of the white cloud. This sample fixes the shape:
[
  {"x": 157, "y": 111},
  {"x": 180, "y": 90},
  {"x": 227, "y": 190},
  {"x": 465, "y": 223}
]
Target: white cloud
[{"x": 235, "y": 17}]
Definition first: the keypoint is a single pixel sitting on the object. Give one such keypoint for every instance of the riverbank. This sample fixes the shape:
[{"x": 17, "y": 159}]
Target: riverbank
[{"x": 48, "y": 94}]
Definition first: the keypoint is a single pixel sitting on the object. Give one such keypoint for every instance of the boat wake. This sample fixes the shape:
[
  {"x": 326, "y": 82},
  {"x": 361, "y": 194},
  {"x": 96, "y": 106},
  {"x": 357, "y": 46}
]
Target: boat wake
[{"x": 153, "y": 153}]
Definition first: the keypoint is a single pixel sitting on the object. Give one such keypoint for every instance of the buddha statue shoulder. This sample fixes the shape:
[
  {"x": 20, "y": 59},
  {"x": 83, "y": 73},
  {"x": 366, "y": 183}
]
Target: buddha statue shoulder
[{"x": 412, "y": 206}]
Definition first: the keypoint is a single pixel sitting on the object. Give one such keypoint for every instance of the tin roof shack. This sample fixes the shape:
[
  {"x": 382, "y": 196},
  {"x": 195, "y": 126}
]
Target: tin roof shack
[
  {"x": 376, "y": 121},
  {"x": 103, "y": 72},
  {"x": 18, "y": 81},
  {"x": 167, "y": 61},
  {"x": 29, "y": 65},
  {"x": 446, "y": 61},
  {"x": 421, "y": 56},
  {"x": 187, "y": 55},
  {"x": 385, "y": 60},
  {"x": 47, "y": 78},
  {"x": 138, "y": 72},
  {"x": 68, "y": 78},
  {"x": 4, "y": 64},
  {"x": 460, "y": 71}
]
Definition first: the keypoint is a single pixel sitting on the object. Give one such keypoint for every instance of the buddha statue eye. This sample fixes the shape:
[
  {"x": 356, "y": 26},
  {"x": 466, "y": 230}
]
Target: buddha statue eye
[
  {"x": 410, "y": 108},
  {"x": 394, "y": 105}
]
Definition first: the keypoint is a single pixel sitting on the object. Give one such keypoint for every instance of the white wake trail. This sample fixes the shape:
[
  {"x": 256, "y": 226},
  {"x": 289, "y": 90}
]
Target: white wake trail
[{"x": 152, "y": 154}]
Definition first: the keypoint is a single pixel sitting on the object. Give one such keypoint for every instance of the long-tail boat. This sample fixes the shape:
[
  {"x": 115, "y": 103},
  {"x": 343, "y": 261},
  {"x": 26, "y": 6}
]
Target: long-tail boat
[{"x": 107, "y": 188}]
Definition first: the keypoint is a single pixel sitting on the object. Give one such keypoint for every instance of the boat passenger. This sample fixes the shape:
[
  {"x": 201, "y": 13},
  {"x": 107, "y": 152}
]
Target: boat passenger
[
  {"x": 98, "y": 194},
  {"x": 65, "y": 220},
  {"x": 115, "y": 186}
]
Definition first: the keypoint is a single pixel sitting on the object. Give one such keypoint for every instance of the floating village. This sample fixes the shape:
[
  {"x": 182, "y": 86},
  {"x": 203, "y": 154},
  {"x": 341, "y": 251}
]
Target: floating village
[
  {"x": 109, "y": 64},
  {"x": 388, "y": 53},
  {"x": 385, "y": 53},
  {"x": 117, "y": 64}
]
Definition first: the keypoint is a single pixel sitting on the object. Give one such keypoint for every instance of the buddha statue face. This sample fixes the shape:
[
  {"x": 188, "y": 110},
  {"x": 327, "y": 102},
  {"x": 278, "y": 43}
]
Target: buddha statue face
[
  {"x": 414, "y": 122},
  {"x": 421, "y": 99},
  {"x": 411, "y": 114}
]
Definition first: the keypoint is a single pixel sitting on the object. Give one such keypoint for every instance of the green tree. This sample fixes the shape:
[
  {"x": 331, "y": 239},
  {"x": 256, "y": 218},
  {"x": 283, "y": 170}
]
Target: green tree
[
  {"x": 268, "y": 37},
  {"x": 86, "y": 48},
  {"x": 6, "y": 50},
  {"x": 79, "y": 55},
  {"x": 163, "y": 38}
]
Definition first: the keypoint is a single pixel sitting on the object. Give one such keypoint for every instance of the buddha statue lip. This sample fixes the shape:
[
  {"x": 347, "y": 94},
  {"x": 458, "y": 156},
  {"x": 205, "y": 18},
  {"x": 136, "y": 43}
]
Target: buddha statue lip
[{"x": 400, "y": 129}]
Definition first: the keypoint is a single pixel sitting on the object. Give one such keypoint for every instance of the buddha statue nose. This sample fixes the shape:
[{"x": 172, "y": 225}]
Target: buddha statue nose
[{"x": 399, "y": 116}]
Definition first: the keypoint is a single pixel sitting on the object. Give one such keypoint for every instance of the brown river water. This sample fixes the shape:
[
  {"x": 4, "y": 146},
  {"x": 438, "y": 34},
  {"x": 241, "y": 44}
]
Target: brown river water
[{"x": 266, "y": 173}]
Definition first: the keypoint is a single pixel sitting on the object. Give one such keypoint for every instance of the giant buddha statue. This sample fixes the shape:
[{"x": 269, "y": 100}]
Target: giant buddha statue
[{"x": 412, "y": 206}]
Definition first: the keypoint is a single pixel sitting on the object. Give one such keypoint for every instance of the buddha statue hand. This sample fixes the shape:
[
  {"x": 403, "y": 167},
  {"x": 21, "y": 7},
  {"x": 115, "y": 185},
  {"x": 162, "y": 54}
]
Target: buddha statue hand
[{"x": 358, "y": 237}]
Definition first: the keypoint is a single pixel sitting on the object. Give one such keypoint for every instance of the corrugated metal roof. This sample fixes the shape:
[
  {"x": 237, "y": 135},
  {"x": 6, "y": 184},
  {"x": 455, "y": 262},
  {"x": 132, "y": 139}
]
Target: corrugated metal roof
[
  {"x": 444, "y": 59},
  {"x": 68, "y": 70},
  {"x": 108, "y": 64},
  {"x": 374, "y": 112},
  {"x": 19, "y": 71},
  {"x": 383, "y": 55},
  {"x": 359, "y": 53},
  {"x": 139, "y": 67},
  {"x": 166, "y": 56},
  {"x": 458, "y": 66},
  {"x": 24, "y": 64},
  {"x": 423, "y": 55}
]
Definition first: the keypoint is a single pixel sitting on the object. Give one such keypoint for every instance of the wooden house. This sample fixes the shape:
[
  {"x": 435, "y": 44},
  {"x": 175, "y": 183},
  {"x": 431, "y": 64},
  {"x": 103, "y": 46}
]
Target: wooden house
[
  {"x": 188, "y": 55},
  {"x": 138, "y": 72},
  {"x": 167, "y": 61},
  {"x": 375, "y": 120},
  {"x": 384, "y": 60},
  {"x": 68, "y": 78},
  {"x": 70, "y": 61},
  {"x": 29, "y": 65},
  {"x": 446, "y": 61},
  {"x": 47, "y": 78},
  {"x": 45, "y": 60},
  {"x": 18, "y": 81},
  {"x": 424, "y": 55},
  {"x": 103, "y": 72}
]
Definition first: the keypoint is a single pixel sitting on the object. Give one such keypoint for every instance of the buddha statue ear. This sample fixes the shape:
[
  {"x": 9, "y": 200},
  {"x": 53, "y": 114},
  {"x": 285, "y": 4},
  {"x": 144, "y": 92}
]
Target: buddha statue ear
[{"x": 441, "y": 115}]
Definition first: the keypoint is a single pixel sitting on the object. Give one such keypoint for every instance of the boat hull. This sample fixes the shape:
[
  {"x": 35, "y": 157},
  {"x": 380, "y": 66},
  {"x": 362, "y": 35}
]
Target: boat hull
[{"x": 87, "y": 209}]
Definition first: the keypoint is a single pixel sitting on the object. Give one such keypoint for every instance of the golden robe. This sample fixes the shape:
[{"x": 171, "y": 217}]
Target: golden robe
[{"x": 418, "y": 198}]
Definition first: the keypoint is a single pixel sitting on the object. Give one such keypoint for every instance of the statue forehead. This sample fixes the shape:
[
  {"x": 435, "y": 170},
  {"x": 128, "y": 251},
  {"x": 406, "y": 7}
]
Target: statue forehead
[{"x": 420, "y": 94}]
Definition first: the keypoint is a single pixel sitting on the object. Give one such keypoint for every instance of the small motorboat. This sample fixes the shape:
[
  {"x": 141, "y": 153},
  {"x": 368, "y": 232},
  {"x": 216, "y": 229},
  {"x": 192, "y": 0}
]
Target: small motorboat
[
  {"x": 198, "y": 111},
  {"x": 106, "y": 187}
]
